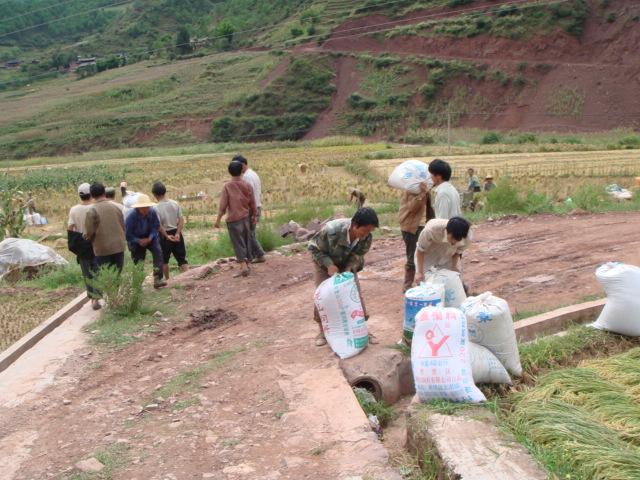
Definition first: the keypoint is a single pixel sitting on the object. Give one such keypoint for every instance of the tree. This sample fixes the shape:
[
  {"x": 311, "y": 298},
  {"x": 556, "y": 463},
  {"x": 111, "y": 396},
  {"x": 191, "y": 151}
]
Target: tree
[
  {"x": 183, "y": 41},
  {"x": 225, "y": 29}
]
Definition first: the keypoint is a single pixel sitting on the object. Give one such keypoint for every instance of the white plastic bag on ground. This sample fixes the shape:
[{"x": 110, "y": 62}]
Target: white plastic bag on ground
[
  {"x": 409, "y": 175},
  {"x": 454, "y": 294},
  {"x": 417, "y": 298},
  {"x": 485, "y": 367},
  {"x": 19, "y": 253},
  {"x": 340, "y": 308},
  {"x": 490, "y": 324},
  {"x": 440, "y": 357},
  {"x": 621, "y": 314}
]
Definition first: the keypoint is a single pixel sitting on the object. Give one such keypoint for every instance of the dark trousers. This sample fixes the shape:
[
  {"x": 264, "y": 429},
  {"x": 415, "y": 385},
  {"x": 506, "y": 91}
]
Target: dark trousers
[
  {"x": 240, "y": 235},
  {"x": 139, "y": 253},
  {"x": 177, "y": 249},
  {"x": 89, "y": 267},
  {"x": 410, "y": 242},
  {"x": 115, "y": 260},
  {"x": 255, "y": 247}
]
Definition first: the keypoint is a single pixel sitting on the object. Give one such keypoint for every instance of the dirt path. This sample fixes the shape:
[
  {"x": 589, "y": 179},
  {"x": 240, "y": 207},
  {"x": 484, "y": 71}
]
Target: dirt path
[
  {"x": 347, "y": 80},
  {"x": 243, "y": 400}
]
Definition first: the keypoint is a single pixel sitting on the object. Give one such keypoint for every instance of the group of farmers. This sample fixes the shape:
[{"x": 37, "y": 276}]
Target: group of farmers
[
  {"x": 433, "y": 231},
  {"x": 100, "y": 229}
]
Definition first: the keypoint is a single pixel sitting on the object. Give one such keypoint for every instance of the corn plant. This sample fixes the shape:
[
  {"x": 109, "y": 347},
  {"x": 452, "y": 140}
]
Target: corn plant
[{"x": 12, "y": 206}]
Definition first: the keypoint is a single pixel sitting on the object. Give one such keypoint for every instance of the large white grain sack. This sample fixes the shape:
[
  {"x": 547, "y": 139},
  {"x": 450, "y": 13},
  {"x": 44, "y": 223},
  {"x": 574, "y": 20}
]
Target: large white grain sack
[
  {"x": 338, "y": 302},
  {"x": 490, "y": 325},
  {"x": 440, "y": 357},
  {"x": 409, "y": 175},
  {"x": 485, "y": 367},
  {"x": 417, "y": 298},
  {"x": 454, "y": 294},
  {"x": 621, "y": 314}
]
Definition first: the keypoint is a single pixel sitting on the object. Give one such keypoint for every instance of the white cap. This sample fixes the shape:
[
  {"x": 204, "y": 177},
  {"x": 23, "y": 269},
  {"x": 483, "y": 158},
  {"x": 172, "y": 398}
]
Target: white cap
[{"x": 84, "y": 189}]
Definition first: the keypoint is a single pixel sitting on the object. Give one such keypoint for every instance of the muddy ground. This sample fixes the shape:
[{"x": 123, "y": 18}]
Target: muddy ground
[{"x": 212, "y": 394}]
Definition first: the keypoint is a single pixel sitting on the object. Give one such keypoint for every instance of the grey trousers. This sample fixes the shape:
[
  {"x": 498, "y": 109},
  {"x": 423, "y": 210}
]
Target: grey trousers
[
  {"x": 240, "y": 235},
  {"x": 255, "y": 247}
]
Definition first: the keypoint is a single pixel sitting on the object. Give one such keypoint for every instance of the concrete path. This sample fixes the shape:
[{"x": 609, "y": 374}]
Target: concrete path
[{"x": 36, "y": 369}]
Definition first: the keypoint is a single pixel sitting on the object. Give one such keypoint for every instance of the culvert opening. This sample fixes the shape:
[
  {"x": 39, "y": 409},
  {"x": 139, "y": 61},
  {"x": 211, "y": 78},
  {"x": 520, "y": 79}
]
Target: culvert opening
[{"x": 369, "y": 384}]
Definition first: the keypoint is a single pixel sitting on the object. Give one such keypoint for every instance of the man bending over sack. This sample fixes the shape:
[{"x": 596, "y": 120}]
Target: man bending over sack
[
  {"x": 441, "y": 244},
  {"x": 340, "y": 247}
]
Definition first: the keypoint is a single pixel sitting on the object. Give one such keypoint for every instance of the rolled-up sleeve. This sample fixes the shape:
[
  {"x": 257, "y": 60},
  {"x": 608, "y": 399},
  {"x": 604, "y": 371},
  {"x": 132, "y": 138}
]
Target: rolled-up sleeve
[{"x": 425, "y": 240}]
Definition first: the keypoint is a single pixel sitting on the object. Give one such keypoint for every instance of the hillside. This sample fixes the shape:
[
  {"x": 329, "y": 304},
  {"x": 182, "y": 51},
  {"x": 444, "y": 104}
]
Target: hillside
[{"x": 289, "y": 69}]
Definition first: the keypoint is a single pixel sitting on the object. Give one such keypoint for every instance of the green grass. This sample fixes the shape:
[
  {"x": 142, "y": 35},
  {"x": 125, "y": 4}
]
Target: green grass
[
  {"x": 55, "y": 277},
  {"x": 113, "y": 457},
  {"x": 385, "y": 413},
  {"x": 113, "y": 330},
  {"x": 188, "y": 381}
]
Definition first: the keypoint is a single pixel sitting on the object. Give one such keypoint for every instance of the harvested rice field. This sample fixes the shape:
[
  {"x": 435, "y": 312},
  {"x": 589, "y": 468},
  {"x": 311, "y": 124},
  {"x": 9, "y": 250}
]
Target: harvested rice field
[{"x": 584, "y": 422}]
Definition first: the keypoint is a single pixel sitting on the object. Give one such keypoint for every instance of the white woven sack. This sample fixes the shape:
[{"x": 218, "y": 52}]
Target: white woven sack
[
  {"x": 490, "y": 324},
  {"x": 409, "y": 175},
  {"x": 338, "y": 302},
  {"x": 417, "y": 298},
  {"x": 485, "y": 367},
  {"x": 440, "y": 357},
  {"x": 621, "y": 314},
  {"x": 454, "y": 294}
]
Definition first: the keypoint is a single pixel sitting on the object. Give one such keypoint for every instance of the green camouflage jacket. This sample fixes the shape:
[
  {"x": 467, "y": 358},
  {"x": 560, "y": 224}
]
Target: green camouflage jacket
[{"x": 330, "y": 246}]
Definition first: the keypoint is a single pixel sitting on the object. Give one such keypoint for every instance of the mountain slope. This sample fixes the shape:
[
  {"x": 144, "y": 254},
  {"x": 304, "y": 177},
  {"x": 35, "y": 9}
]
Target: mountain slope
[{"x": 376, "y": 68}]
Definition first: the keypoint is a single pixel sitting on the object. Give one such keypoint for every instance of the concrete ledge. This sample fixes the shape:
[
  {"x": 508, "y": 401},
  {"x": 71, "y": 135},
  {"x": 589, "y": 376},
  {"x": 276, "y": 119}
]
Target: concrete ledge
[
  {"x": 468, "y": 446},
  {"x": 557, "y": 320},
  {"x": 34, "y": 336}
]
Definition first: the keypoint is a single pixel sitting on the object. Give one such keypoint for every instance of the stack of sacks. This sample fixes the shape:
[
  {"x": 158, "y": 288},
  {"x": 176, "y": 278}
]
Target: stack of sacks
[
  {"x": 440, "y": 357},
  {"x": 492, "y": 333}
]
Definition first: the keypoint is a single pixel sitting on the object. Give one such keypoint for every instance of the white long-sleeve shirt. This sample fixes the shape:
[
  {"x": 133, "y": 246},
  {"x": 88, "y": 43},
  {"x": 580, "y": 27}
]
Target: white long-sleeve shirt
[
  {"x": 447, "y": 201},
  {"x": 253, "y": 179}
]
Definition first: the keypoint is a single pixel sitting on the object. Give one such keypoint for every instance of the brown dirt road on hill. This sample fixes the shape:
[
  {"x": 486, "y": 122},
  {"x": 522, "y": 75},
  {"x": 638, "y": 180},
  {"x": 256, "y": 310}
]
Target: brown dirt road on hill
[{"x": 232, "y": 405}]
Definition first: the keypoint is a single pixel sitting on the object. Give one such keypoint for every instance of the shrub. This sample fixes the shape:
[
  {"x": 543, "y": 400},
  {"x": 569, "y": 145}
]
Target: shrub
[
  {"x": 269, "y": 239},
  {"x": 357, "y": 101},
  {"x": 631, "y": 141},
  {"x": 296, "y": 32},
  {"x": 527, "y": 138},
  {"x": 537, "y": 203},
  {"x": 491, "y": 138},
  {"x": 589, "y": 197},
  {"x": 122, "y": 291},
  {"x": 519, "y": 81},
  {"x": 505, "y": 198},
  {"x": 611, "y": 17},
  {"x": 422, "y": 136}
]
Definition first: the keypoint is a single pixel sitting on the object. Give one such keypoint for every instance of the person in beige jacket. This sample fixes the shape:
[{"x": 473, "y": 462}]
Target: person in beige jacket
[
  {"x": 415, "y": 210},
  {"x": 104, "y": 228}
]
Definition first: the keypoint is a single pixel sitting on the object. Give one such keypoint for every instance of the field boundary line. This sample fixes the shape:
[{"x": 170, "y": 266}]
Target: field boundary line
[{"x": 15, "y": 351}]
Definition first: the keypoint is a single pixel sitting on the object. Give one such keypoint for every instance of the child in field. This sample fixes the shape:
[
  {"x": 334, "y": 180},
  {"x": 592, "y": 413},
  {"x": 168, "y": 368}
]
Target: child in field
[{"x": 238, "y": 203}]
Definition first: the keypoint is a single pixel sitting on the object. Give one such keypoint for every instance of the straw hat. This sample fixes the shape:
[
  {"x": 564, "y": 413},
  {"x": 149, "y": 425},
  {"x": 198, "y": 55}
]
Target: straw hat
[
  {"x": 489, "y": 177},
  {"x": 143, "y": 201}
]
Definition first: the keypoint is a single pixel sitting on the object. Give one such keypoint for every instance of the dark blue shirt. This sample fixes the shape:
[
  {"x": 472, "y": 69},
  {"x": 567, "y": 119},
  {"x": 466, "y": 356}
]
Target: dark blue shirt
[{"x": 139, "y": 226}]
